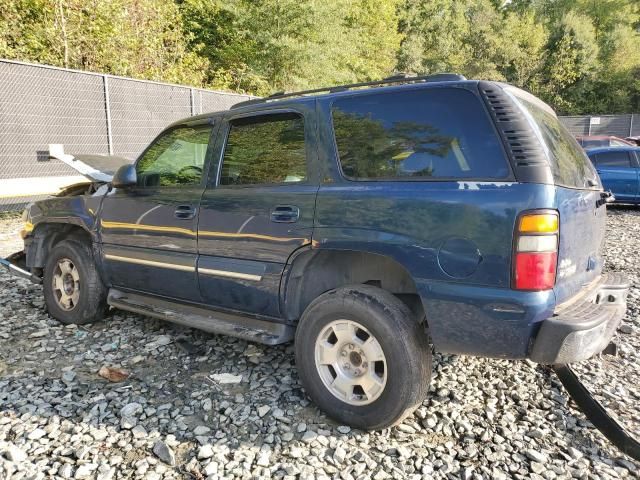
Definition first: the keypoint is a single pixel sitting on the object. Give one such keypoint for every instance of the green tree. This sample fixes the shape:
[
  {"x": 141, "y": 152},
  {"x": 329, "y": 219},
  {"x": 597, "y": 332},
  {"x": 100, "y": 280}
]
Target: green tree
[
  {"x": 272, "y": 45},
  {"x": 572, "y": 62},
  {"x": 474, "y": 38},
  {"x": 592, "y": 63},
  {"x": 136, "y": 38},
  {"x": 579, "y": 55}
]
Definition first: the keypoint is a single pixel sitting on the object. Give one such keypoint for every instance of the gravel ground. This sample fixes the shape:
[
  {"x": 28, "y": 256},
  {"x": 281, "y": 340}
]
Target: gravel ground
[{"x": 202, "y": 406}]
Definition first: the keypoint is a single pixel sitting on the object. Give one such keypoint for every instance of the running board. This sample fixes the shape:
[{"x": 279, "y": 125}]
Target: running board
[
  {"x": 212, "y": 321},
  {"x": 596, "y": 413}
]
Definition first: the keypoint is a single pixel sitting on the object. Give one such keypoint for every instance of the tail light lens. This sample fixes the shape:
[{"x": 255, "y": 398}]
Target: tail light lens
[{"x": 536, "y": 251}]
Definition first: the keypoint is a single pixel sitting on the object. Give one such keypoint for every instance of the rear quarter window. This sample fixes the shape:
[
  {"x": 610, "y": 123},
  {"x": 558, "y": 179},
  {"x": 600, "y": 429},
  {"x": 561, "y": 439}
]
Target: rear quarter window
[
  {"x": 569, "y": 163},
  {"x": 441, "y": 133}
]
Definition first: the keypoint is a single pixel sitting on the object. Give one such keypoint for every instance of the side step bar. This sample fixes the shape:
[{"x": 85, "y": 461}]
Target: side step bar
[
  {"x": 596, "y": 413},
  {"x": 16, "y": 266},
  {"x": 247, "y": 328}
]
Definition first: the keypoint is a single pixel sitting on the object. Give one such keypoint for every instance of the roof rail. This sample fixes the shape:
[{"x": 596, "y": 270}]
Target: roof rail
[{"x": 399, "y": 78}]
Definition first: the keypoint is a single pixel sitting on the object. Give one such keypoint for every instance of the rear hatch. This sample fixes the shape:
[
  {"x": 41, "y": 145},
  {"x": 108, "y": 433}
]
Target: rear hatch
[{"x": 578, "y": 198}]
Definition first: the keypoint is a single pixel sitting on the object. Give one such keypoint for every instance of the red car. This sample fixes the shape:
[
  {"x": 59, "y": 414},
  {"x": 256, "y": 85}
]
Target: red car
[{"x": 592, "y": 141}]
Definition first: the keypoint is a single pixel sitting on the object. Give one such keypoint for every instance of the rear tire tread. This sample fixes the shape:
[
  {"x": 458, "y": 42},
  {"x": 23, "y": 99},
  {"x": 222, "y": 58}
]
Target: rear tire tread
[{"x": 406, "y": 342}]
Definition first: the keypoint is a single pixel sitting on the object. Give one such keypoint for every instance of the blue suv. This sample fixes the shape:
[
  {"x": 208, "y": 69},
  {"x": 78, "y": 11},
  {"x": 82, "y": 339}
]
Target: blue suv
[
  {"x": 365, "y": 222},
  {"x": 619, "y": 170}
]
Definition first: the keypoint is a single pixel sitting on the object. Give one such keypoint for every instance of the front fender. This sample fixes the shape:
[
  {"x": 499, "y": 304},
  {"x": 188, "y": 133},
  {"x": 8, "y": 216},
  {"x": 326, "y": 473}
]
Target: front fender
[{"x": 52, "y": 219}]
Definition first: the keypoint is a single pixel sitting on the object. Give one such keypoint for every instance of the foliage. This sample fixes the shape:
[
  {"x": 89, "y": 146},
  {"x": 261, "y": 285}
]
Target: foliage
[
  {"x": 136, "y": 38},
  {"x": 293, "y": 44},
  {"x": 582, "y": 56}
]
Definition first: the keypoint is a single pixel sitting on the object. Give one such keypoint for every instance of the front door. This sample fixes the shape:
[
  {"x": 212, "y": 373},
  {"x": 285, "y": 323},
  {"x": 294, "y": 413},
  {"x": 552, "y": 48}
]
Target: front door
[
  {"x": 258, "y": 210},
  {"x": 619, "y": 173},
  {"x": 148, "y": 231}
]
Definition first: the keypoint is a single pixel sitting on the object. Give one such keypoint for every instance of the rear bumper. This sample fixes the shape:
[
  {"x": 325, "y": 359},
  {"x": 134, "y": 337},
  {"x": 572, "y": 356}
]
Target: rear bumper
[{"x": 583, "y": 326}]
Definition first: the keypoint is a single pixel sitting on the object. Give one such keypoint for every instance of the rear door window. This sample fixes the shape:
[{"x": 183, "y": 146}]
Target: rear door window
[
  {"x": 613, "y": 159},
  {"x": 266, "y": 149},
  {"x": 441, "y": 133}
]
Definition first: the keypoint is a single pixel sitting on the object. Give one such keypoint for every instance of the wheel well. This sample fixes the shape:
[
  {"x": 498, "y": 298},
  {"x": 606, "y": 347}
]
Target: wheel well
[
  {"x": 316, "y": 272},
  {"x": 47, "y": 235}
]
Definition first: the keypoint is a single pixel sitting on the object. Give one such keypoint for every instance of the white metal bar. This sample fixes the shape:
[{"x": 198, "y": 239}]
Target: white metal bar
[{"x": 107, "y": 109}]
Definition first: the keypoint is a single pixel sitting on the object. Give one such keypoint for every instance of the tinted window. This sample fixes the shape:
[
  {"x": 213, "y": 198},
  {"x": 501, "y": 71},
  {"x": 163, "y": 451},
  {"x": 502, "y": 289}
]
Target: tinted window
[
  {"x": 613, "y": 159},
  {"x": 265, "y": 150},
  {"x": 434, "y": 133},
  {"x": 175, "y": 158},
  {"x": 569, "y": 163}
]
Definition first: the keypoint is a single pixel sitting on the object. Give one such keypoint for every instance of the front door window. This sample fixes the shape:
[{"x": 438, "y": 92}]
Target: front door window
[{"x": 175, "y": 159}]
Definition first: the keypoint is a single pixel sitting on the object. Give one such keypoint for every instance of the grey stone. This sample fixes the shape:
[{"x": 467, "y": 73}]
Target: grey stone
[
  {"x": 536, "y": 456},
  {"x": 201, "y": 430},
  {"x": 309, "y": 436},
  {"x": 164, "y": 453},
  {"x": 131, "y": 409}
]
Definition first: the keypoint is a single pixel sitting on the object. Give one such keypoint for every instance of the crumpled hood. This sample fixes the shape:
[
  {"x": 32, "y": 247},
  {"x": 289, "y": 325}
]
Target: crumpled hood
[{"x": 97, "y": 168}]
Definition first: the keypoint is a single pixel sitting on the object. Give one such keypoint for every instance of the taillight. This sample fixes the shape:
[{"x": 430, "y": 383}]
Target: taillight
[{"x": 536, "y": 251}]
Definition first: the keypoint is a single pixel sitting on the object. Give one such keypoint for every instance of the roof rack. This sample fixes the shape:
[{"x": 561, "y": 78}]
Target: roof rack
[{"x": 399, "y": 78}]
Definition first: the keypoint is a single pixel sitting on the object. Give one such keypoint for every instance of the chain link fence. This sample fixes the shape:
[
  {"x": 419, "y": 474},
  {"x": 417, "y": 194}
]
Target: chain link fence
[
  {"x": 91, "y": 113},
  {"x": 618, "y": 125},
  {"x": 85, "y": 112}
]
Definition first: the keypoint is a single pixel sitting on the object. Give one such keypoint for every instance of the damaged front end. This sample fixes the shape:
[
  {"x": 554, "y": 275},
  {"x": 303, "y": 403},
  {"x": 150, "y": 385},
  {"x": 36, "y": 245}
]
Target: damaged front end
[
  {"x": 16, "y": 265},
  {"x": 98, "y": 171}
]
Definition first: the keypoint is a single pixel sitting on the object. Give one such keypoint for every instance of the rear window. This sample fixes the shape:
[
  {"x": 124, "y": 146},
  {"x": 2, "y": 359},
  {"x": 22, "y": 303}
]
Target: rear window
[
  {"x": 569, "y": 163},
  {"x": 426, "y": 134}
]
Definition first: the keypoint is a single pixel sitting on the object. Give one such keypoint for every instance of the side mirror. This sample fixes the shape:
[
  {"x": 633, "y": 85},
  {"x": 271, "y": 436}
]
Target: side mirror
[{"x": 125, "y": 177}]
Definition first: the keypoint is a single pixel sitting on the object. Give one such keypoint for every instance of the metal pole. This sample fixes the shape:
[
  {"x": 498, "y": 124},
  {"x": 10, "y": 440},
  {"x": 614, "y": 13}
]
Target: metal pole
[
  {"x": 193, "y": 101},
  {"x": 107, "y": 109},
  {"x": 589, "y": 134},
  {"x": 631, "y": 126}
]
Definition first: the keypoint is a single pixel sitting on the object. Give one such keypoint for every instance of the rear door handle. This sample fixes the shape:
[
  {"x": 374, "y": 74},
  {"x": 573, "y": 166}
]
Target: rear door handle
[
  {"x": 185, "y": 212},
  {"x": 285, "y": 214}
]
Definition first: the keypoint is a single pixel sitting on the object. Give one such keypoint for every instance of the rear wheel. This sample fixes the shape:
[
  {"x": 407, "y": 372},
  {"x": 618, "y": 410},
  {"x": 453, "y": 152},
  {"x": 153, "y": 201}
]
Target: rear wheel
[
  {"x": 73, "y": 290},
  {"x": 362, "y": 357}
]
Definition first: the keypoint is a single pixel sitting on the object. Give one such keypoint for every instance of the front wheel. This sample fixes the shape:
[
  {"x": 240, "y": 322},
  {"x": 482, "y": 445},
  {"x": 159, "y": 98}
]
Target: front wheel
[
  {"x": 73, "y": 290},
  {"x": 362, "y": 357}
]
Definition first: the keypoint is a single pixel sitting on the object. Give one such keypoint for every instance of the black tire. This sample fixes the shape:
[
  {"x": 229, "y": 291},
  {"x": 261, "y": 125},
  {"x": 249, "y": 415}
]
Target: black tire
[
  {"x": 402, "y": 339},
  {"x": 92, "y": 300}
]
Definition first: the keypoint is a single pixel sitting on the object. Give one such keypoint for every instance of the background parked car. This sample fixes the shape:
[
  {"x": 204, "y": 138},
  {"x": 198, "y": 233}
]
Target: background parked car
[
  {"x": 619, "y": 171},
  {"x": 635, "y": 140},
  {"x": 592, "y": 141}
]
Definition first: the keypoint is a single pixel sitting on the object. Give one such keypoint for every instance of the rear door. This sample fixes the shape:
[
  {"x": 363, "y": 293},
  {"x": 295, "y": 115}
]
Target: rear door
[
  {"x": 258, "y": 208},
  {"x": 149, "y": 230},
  {"x": 619, "y": 173}
]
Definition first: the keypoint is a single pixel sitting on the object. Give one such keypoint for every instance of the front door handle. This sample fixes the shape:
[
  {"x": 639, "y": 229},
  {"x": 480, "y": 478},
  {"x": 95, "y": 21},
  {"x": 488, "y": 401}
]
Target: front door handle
[
  {"x": 285, "y": 214},
  {"x": 185, "y": 212}
]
